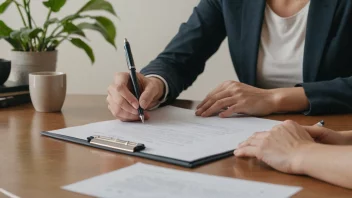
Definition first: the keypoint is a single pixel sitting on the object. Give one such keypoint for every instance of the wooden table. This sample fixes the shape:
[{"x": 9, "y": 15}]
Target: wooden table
[{"x": 35, "y": 166}]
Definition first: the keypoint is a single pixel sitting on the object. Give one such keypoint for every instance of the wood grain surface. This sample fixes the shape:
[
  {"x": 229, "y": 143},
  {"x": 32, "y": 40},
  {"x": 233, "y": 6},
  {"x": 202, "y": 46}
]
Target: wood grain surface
[{"x": 35, "y": 166}]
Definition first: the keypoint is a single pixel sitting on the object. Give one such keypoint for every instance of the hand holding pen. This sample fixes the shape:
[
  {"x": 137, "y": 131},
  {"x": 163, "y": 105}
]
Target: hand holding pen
[{"x": 121, "y": 99}]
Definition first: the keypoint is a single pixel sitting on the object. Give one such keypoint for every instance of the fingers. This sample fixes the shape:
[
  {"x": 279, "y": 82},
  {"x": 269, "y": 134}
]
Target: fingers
[
  {"x": 120, "y": 88},
  {"x": 122, "y": 115},
  {"x": 248, "y": 151},
  {"x": 148, "y": 96},
  {"x": 118, "y": 111},
  {"x": 153, "y": 104},
  {"x": 120, "y": 102},
  {"x": 325, "y": 135},
  {"x": 255, "y": 139},
  {"x": 120, "y": 107},
  {"x": 316, "y": 131},
  {"x": 218, "y": 89},
  {"x": 213, "y": 107},
  {"x": 237, "y": 108},
  {"x": 125, "y": 116},
  {"x": 207, "y": 97}
]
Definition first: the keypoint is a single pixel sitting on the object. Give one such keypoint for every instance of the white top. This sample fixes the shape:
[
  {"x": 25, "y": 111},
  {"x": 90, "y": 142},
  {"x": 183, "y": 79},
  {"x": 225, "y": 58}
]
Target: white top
[{"x": 280, "y": 57}]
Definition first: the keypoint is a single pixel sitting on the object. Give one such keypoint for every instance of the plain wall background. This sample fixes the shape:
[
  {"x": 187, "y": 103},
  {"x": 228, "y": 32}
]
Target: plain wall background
[{"x": 148, "y": 24}]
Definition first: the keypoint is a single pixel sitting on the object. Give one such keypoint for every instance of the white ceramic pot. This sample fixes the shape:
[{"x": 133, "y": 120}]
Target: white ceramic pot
[{"x": 24, "y": 63}]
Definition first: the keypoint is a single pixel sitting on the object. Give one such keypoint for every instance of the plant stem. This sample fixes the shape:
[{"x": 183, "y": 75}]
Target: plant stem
[
  {"x": 28, "y": 12},
  {"x": 35, "y": 44},
  {"x": 42, "y": 46},
  {"x": 66, "y": 37},
  {"x": 22, "y": 17},
  {"x": 64, "y": 21},
  {"x": 35, "y": 24},
  {"x": 49, "y": 14},
  {"x": 56, "y": 29}
]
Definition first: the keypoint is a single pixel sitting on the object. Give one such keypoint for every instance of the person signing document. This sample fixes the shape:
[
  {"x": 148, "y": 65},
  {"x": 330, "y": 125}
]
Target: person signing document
[{"x": 289, "y": 55}]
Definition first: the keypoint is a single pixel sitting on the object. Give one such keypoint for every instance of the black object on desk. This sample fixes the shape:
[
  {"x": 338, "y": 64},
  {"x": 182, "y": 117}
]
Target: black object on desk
[
  {"x": 11, "y": 88},
  {"x": 13, "y": 94},
  {"x": 5, "y": 69},
  {"x": 11, "y": 101},
  {"x": 132, "y": 68}
]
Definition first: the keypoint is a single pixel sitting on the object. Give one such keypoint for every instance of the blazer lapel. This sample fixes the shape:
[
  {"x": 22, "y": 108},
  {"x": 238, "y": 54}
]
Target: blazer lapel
[
  {"x": 252, "y": 20},
  {"x": 321, "y": 13}
]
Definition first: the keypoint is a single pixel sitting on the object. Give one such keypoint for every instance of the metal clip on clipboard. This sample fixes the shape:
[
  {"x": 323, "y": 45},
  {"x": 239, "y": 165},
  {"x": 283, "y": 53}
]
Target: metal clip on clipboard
[{"x": 116, "y": 143}]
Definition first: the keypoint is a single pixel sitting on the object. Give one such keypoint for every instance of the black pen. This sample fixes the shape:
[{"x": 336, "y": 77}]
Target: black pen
[
  {"x": 321, "y": 123},
  {"x": 132, "y": 68}
]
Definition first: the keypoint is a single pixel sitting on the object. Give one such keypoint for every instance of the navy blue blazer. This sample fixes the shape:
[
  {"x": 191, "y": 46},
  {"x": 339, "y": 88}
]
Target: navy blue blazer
[{"x": 327, "y": 64}]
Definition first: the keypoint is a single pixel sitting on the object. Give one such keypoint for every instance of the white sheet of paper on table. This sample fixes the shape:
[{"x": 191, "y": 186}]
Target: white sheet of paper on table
[
  {"x": 147, "y": 181},
  {"x": 177, "y": 133}
]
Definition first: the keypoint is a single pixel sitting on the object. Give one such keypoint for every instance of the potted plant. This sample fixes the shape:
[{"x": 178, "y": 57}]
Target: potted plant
[{"x": 35, "y": 47}]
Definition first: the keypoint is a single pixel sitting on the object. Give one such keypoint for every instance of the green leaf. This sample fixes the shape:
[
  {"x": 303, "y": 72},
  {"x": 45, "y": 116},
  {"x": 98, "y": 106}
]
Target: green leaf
[
  {"x": 70, "y": 18},
  {"x": 51, "y": 21},
  {"x": 5, "y": 31},
  {"x": 103, "y": 25},
  {"x": 16, "y": 34},
  {"x": 14, "y": 43},
  {"x": 71, "y": 28},
  {"x": 53, "y": 45},
  {"x": 81, "y": 44},
  {"x": 109, "y": 27},
  {"x": 5, "y": 5},
  {"x": 54, "y": 5},
  {"x": 28, "y": 34},
  {"x": 98, "y": 5}
]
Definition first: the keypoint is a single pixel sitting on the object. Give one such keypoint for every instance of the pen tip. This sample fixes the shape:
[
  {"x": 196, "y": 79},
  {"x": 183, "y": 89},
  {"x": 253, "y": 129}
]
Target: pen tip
[
  {"x": 125, "y": 40},
  {"x": 142, "y": 118}
]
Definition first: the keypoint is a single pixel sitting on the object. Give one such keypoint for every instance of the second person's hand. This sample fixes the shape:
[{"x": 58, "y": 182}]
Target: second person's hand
[
  {"x": 123, "y": 104},
  {"x": 284, "y": 147}
]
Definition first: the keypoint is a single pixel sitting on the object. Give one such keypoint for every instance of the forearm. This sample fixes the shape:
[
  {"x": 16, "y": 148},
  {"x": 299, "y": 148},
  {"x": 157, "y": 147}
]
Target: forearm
[
  {"x": 290, "y": 99},
  {"x": 348, "y": 137},
  {"x": 328, "y": 163},
  {"x": 327, "y": 97}
]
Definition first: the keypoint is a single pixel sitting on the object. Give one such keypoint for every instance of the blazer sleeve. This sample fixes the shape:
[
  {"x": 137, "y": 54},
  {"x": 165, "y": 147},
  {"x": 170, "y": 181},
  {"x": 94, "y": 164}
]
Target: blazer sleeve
[
  {"x": 185, "y": 56},
  {"x": 329, "y": 97}
]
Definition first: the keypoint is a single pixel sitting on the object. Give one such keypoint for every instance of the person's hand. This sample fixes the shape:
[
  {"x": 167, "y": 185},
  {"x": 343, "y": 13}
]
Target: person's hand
[
  {"x": 283, "y": 147},
  {"x": 123, "y": 104},
  {"x": 236, "y": 97},
  {"x": 328, "y": 136}
]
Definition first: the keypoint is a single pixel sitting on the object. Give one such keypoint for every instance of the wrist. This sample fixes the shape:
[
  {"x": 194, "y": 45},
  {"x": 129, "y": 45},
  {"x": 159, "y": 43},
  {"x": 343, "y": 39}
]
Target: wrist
[
  {"x": 300, "y": 162},
  {"x": 276, "y": 99},
  {"x": 160, "y": 86},
  {"x": 289, "y": 99}
]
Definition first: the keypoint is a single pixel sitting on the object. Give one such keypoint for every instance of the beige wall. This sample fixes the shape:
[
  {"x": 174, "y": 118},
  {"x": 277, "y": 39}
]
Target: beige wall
[{"x": 148, "y": 24}]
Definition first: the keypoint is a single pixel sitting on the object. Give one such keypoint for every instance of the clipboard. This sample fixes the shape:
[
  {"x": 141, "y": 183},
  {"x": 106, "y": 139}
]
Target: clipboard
[{"x": 134, "y": 148}]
